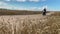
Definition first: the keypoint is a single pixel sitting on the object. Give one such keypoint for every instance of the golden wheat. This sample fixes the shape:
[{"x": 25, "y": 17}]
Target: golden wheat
[{"x": 29, "y": 24}]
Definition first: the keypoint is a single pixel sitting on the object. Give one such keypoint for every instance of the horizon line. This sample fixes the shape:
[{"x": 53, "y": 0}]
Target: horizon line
[{"x": 27, "y": 10}]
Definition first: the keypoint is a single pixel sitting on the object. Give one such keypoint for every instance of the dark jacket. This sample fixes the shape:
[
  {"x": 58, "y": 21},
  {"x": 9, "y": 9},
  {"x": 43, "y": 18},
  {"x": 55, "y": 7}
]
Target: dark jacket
[{"x": 44, "y": 11}]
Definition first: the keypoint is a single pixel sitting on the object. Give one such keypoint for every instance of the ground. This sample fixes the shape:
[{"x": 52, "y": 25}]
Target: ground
[{"x": 30, "y": 24}]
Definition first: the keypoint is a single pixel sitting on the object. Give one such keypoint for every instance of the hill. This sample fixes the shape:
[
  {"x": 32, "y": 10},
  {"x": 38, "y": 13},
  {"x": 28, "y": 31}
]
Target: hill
[{"x": 17, "y": 12}]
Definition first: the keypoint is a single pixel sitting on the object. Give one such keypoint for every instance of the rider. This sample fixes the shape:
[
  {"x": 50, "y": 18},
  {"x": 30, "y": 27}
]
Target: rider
[{"x": 44, "y": 11}]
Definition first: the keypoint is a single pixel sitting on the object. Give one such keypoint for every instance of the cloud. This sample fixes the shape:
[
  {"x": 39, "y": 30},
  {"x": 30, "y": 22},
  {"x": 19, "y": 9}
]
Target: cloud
[
  {"x": 43, "y": 0},
  {"x": 21, "y": 0},
  {"x": 7, "y": 0},
  {"x": 34, "y": 0},
  {"x": 5, "y": 7},
  {"x": 33, "y": 8},
  {"x": 30, "y": 0},
  {"x": 3, "y": 3},
  {"x": 27, "y": 0},
  {"x": 45, "y": 6},
  {"x": 41, "y": 8}
]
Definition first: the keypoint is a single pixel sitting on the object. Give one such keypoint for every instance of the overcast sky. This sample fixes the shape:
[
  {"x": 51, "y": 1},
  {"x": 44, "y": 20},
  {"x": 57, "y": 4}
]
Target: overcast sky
[{"x": 30, "y": 4}]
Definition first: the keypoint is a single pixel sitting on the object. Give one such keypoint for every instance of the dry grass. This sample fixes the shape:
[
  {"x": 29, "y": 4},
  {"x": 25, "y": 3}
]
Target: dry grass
[{"x": 30, "y": 24}]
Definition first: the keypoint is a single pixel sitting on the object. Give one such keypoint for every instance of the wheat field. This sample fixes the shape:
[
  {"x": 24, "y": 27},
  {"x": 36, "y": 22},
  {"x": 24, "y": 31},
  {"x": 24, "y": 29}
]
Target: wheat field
[{"x": 30, "y": 24}]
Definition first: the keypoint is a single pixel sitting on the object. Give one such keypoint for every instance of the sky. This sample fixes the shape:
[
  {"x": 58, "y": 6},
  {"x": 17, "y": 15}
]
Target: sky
[{"x": 30, "y": 4}]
